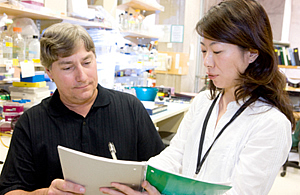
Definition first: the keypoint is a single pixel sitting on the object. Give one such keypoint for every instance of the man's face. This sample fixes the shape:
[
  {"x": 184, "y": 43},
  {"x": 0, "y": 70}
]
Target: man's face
[{"x": 75, "y": 77}]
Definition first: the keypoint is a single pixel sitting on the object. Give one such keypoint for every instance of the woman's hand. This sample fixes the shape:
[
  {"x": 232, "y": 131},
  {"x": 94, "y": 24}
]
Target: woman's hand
[{"x": 150, "y": 190}]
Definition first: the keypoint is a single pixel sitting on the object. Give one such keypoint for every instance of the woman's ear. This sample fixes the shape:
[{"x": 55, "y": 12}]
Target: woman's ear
[{"x": 253, "y": 54}]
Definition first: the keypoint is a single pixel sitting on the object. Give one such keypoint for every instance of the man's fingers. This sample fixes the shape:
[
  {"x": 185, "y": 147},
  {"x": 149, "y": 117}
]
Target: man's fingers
[{"x": 67, "y": 186}]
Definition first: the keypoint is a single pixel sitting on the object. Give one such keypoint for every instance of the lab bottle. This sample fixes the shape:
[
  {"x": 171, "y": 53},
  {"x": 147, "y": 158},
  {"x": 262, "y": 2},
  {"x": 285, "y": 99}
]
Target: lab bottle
[
  {"x": 146, "y": 53},
  {"x": 134, "y": 54},
  {"x": 1, "y": 48},
  {"x": 7, "y": 45},
  {"x": 140, "y": 53},
  {"x": 34, "y": 50},
  {"x": 154, "y": 54},
  {"x": 18, "y": 45},
  {"x": 121, "y": 20},
  {"x": 27, "y": 39},
  {"x": 122, "y": 50},
  {"x": 139, "y": 20},
  {"x": 131, "y": 22},
  {"x": 151, "y": 57},
  {"x": 130, "y": 49},
  {"x": 136, "y": 23},
  {"x": 125, "y": 21},
  {"x": 126, "y": 49}
]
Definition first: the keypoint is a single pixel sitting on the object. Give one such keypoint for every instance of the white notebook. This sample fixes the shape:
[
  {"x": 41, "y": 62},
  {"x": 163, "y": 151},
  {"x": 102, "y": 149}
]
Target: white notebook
[{"x": 94, "y": 172}]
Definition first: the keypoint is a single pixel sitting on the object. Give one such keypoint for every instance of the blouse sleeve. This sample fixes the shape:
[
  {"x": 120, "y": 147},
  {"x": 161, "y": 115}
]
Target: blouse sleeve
[{"x": 264, "y": 153}]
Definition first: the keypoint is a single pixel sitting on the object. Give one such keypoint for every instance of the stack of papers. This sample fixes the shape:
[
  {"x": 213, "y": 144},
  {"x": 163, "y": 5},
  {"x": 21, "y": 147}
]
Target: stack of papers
[
  {"x": 94, "y": 172},
  {"x": 153, "y": 108}
]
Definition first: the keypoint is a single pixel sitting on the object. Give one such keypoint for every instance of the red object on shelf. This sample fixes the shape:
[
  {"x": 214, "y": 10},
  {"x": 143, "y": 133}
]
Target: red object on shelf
[
  {"x": 5, "y": 127},
  {"x": 13, "y": 107}
]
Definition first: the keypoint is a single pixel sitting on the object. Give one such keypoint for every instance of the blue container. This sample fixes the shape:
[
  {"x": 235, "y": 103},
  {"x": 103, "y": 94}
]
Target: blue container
[
  {"x": 33, "y": 79},
  {"x": 146, "y": 93}
]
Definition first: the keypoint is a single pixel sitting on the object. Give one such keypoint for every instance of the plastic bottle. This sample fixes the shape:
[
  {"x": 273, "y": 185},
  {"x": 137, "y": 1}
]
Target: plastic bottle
[
  {"x": 140, "y": 53},
  {"x": 7, "y": 45},
  {"x": 121, "y": 20},
  {"x": 136, "y": 23},
  {"x": 139, "y": 19},
  {"x": 34, "y": 50},
  {"x": 130, "y": 49},
  {"x": 146, "y": 53},
  {"x": 154, "y": 54},
  {"x": 18, "y": 45},
  {"x": 28, "y": 39},
  {"x": 126, "y": 49},
  {"x": 125, "y": 21},
  {"x": 134, "y": 54},
  {"x": 131, "y": 22},
  {"x": 151, "y": 57},
  {"x": 1, "y": 48},
  {"x": 122, "y": 50}
]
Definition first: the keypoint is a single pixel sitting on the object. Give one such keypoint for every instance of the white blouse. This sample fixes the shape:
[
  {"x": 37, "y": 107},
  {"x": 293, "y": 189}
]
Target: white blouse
[{"x": 247, "y": 156}]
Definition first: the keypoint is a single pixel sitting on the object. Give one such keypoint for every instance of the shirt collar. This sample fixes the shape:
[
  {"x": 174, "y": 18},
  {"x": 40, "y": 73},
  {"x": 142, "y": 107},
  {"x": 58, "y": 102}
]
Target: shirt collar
[{"x": 57, "y": 108}]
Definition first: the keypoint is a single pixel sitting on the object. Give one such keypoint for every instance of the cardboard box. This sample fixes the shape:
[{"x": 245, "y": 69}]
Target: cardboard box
[
  {"x": 57, "y": 6},
  {"x": 34, "y": 2}
]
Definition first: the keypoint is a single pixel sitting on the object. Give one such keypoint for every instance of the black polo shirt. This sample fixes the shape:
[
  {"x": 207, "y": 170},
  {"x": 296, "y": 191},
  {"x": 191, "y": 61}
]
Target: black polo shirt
[{"x": 117, "y": 117}]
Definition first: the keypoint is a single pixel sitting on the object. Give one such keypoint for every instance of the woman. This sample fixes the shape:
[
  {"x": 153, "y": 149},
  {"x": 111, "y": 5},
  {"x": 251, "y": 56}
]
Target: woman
[{"x": 239, "y": 132}]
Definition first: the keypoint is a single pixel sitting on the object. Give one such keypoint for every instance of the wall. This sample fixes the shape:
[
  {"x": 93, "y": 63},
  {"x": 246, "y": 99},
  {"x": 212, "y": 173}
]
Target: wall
[
  {"x": 173, "y": 14},
  {"x": 188, "y": 13},
  {"x": 294, "y": 37},
  {"x": 185, "y": 13},
  {"x": 275, "y": 12}
]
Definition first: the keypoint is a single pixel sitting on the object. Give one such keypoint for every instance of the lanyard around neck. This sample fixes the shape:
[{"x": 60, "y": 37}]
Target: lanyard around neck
[{"x": 238, "y": 112}]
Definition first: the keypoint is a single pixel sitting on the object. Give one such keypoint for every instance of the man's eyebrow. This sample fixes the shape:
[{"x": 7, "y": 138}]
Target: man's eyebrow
[
  {"x": 88, "y": 56},
  {"x": 64, "y": 62},
  {"x": 70, "y": 62}
]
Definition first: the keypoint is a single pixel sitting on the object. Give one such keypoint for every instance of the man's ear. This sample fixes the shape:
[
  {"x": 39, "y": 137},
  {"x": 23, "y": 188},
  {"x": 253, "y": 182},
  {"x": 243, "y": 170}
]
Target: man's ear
[
  {"x": 253, "y": 54},
  {"x": 49, "y": 73}
]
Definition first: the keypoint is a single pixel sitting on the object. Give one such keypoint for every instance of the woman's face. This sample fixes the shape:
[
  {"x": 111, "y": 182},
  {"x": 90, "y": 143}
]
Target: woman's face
[{"x": 224, "y": 62}]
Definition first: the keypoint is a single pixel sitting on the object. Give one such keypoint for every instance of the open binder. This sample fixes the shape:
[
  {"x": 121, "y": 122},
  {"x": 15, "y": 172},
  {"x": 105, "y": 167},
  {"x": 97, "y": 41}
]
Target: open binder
[{"x": 94, "y": 172}]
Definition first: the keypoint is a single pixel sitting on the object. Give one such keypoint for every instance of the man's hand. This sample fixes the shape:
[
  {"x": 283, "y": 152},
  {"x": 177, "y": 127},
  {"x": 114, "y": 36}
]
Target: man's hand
[
  {"x": 150, "y": 190},
  {"x": 57, "y": 187},
  {"x": 60, "y": 186}
]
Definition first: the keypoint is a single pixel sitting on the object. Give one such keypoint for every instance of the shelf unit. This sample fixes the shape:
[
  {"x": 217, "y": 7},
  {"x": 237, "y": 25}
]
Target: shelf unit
[
  {"x": 48, "y": 18},
  {"x": 285, "y": 44},
  {"x": 133, "y": 34},
  {"x": 14, "y": 11},
  {"x": 150, "y": 8},
  {"x": 143, "y": 5},
  {"x": 289, "y": 67},
  {"x": 292, "y": 89}
]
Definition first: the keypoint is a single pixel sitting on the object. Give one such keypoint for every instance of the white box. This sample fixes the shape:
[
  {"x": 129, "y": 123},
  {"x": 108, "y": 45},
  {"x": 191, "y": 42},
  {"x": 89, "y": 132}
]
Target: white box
[
  {"x": 57, "y": 6},
  {"x": 34, "y": 2},
  {"x": 21, "y": 95},
  {"x": 28, "y": 89}
]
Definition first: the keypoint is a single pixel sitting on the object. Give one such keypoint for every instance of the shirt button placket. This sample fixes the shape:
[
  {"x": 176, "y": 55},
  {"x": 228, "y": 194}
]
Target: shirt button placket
[{"x": 85, "y": 135}]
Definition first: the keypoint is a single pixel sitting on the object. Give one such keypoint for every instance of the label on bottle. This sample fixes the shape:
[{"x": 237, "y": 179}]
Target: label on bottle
[
  {"x": 15, "y": 62},
  {"x": 8, "y": 44}
]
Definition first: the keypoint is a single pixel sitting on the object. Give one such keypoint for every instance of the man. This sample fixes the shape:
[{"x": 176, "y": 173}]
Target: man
[{"x": 80, "y": 115}]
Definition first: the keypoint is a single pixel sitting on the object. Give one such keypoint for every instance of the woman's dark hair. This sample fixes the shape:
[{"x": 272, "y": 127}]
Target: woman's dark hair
[{"x": 245, "y": 23}]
